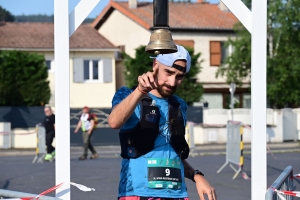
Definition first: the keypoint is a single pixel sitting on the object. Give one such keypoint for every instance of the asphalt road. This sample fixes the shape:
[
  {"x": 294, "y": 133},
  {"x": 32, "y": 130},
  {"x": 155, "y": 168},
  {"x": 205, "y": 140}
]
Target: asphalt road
[{"x": 17, "y": 173}]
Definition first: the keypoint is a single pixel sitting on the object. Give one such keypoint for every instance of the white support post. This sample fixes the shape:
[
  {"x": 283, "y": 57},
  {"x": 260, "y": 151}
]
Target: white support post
[
  {"x": 62, "y": 97},
  {"x": 238, "y": 8},
  {"x": 259, "y": 100},
  {"x": 64, "y": 26},
  {"x": 80, "y": 12},
  {"x": 256, "y": 24}
]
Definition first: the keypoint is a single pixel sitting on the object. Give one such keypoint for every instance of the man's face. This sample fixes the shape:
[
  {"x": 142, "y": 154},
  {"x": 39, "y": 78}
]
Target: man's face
[
  {"x": 47, "y": 111},
  {"x": 172, "y": 78}
]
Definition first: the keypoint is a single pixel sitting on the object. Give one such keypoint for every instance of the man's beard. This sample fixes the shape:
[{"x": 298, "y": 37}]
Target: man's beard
[{"x": 166, "y": 93}]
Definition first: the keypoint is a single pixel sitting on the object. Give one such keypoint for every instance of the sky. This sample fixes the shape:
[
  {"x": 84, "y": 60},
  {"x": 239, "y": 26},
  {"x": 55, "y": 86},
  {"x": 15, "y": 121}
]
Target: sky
[{"x": 28, "y": 7}]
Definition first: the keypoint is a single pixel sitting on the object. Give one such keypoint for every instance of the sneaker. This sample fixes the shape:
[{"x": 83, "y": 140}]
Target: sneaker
[
  {"x": 48, "y": 157},
  {"x": 53, "y": 153},
  {"x": 82, "y": 158},
  {"x": 94, "y": 156}
]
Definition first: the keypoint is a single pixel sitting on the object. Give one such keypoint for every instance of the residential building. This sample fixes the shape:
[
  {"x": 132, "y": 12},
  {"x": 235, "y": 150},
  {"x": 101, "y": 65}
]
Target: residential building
[
  {"x": 92, "y": 60},
  {"x": 201, "y": 25}
]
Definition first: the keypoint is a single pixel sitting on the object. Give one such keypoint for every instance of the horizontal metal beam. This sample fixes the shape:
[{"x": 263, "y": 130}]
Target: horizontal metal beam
[
  {"x": 238, "y": 8},
  {"x": 80, "y": 12}
]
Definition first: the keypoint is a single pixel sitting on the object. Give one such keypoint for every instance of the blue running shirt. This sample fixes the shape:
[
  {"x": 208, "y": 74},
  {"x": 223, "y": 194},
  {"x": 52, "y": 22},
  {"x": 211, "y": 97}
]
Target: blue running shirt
[{"x": 134, "y": 180}]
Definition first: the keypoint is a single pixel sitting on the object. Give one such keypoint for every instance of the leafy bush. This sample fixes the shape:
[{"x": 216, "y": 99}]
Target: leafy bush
[{"x": 23, "y": 79}]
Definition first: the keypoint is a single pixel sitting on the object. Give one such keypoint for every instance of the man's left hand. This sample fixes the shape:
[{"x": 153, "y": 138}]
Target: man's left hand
[{"x": 203, "y": 187}]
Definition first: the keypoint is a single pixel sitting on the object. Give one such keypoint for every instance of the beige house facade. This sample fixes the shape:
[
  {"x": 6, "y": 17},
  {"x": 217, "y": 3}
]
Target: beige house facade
[
  {"x": 92, "y": 60},
  {"x": 202, "y": 26},
  {"x": 96, "y": 93}
]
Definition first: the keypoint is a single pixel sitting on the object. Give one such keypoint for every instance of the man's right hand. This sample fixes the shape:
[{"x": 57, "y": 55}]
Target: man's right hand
[
  {"x": 149, "y": 81},
  {"x": 76, "y": 130}
]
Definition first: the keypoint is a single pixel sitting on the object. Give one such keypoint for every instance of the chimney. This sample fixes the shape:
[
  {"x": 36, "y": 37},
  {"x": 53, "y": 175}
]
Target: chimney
[
  {"x": 222, "y": 7},
  {"x": 200, "y": 1},
  {"x": 132, "y": 3}
]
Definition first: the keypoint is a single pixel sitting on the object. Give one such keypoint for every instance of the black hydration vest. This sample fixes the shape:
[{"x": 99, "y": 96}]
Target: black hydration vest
[{"x": 140, "y": 140}]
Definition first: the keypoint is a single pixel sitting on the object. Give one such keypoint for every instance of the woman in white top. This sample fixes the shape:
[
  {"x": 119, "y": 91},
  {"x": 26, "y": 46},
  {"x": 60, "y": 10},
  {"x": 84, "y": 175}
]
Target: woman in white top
[{"x": 86, "y": 123}]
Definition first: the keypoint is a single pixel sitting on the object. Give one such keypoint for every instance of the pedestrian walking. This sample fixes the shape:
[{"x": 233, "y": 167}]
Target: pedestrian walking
[
  {"x": 86, "y": 123},
  {"x": 49, "y": 124},
  {"x": 152, "y": 123}
]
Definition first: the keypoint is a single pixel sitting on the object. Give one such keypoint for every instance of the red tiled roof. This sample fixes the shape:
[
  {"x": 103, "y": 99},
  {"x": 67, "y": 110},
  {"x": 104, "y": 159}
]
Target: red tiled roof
[
  {"x": 182, "y": 15},
  {"x": 41, "y": 36}
]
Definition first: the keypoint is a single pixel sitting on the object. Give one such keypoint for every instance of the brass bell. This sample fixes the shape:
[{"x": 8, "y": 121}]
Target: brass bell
[{"x": 161, "y": 42}]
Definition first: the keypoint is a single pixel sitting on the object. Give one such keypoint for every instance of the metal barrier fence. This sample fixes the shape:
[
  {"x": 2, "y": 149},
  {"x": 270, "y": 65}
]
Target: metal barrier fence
[
  {"x": 283, "y": 182},
  {"x": 234, "y": 147},
  {"x": 15, "y": 194},
  {"x": 40, "y": 144}
]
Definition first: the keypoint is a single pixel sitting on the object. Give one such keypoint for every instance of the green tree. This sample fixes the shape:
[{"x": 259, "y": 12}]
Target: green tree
[
  {"x": 283, "y": 41},
  {"x": 34, "y": 18},
  {"x": 6, "y": 15},
  {"x": 23, "y": 79},
  {"x": 190, "y": 90},
  {"x": 42, "y": 18}
]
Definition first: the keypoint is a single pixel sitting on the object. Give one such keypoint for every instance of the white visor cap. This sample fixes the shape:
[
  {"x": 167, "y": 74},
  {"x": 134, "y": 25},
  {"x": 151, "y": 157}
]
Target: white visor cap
[{"x": 169, "y": 59}]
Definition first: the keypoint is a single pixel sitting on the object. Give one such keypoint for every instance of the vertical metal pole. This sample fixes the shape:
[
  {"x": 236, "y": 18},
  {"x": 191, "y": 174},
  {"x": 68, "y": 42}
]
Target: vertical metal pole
[
  {"x": 232, "y": 90},
  {"x": 62, "y": 96},
  {"x": 231, "y": 105},
  {"x": 258, "y": 99}
]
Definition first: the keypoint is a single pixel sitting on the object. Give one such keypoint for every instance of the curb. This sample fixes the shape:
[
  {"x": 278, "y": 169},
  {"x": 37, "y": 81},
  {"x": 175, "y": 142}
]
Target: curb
[
  {"x": 199, "y": 150},
  {"x": 115, "y": 154}
]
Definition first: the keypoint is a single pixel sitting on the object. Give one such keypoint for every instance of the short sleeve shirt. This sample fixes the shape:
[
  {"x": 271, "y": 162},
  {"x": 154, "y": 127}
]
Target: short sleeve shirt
[{"x": 134, "y": 175}]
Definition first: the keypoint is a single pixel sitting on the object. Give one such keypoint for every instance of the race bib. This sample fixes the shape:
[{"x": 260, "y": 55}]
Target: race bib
[{"x": 164, "y": 173}]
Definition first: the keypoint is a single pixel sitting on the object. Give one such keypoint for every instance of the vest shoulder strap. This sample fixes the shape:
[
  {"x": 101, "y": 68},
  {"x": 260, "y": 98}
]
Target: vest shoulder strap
[{"x": 173, "y": 102}]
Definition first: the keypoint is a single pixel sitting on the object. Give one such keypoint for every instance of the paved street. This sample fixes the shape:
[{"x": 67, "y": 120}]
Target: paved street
[{"x": 19, "y": 174}]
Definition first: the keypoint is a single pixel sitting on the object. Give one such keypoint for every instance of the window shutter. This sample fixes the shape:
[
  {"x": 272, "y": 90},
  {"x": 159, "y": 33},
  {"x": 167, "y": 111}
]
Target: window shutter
[
  {"x": 105, "y": 66},
  {"x": 78, "y": 70},
  {"x": 215, "y": 53},
  {"x": 185, "y": 43}
]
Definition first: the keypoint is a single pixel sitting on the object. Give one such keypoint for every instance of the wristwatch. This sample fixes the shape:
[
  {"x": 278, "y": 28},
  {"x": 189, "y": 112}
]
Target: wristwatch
[{"x": 197, "y": 172}]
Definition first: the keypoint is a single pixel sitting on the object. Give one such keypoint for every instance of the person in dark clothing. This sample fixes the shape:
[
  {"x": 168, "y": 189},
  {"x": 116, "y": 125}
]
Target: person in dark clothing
[
  {"x": 87, "y": 122},
  {"x": 49, "y": 124}
]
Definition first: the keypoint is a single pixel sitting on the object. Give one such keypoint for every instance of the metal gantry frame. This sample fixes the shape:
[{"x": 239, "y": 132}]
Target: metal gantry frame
[{"x": 255, "y": 21}]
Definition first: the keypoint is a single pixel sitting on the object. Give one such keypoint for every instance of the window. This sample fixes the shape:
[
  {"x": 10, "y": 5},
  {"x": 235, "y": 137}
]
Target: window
[
  {"x": 214, "y": 100},
  {"x": 50, "y": 65},
  {"x": 86, "y": 70},
  {"x": 236, "y": 100},
  {"x": 95, "y": 71},
  {"x": 246, "y": 100},
  {"x": 224, "y": 52},
  {"x": 92, "y": 70},
  {"x": 218, "y": 53}
]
